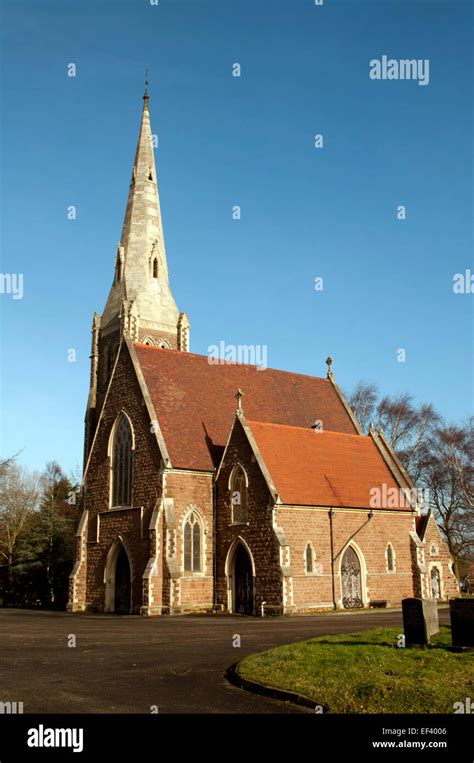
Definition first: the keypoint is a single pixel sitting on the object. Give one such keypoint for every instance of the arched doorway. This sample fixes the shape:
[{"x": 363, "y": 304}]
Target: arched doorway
[
  {"x": 351, "y": 580},
  {"x": 123, "y": 588},
  {"x": 243, "y": 577},
  {"x": 118, "y": 579}
]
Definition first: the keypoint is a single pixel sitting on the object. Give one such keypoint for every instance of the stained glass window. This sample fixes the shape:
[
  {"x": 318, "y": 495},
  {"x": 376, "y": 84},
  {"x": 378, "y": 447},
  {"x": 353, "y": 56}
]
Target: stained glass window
[
  {"x": 192, "y": 544},
  {"x": 239, "y": 496},
  {"x": 390, "y": 565},
  {"x": 122, "y": 464}
]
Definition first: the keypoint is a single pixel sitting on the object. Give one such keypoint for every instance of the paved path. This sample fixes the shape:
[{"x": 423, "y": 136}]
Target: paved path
[{"x": 127, "y": 664}]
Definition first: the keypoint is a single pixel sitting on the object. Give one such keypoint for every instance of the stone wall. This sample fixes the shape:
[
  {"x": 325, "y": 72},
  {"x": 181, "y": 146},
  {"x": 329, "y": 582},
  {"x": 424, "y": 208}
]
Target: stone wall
[
  {"x": 132, "y": 524},
  {"x": 258, "y": 533},
  {"x": 369, "y": 537},
  {"x": 188, "y": 591}
]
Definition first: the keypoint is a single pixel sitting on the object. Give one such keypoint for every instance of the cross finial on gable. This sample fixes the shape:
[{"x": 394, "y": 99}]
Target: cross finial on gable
[
  {"x": 146, "y": 96},
  {"x": 329, "y": 362},
  {"x": 239, "y": 395}
]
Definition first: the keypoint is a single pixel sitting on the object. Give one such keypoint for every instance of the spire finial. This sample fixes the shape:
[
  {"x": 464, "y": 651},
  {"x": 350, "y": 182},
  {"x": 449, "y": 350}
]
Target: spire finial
[
  {"x": 239, "y": 395},
  {"x": 145, "y": 95},
  {"x": 329, "y": 362}
]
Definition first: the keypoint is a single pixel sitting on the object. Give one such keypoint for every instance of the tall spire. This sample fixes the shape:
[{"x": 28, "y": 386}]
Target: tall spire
[
  {"x": 140, "y": 304},
  {"x": 141, "y": 270}
]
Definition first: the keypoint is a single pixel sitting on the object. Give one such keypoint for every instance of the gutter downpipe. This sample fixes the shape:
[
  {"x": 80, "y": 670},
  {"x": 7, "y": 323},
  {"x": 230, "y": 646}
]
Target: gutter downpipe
[
  {"x": 331, "y": 512},
  {"x": 214, "y": 543}
]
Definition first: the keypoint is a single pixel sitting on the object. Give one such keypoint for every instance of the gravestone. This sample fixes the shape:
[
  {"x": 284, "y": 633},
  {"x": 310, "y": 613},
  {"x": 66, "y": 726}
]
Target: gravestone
[
  {"x": 420, "y": 620},
  {"x": 462, "y": 622}
]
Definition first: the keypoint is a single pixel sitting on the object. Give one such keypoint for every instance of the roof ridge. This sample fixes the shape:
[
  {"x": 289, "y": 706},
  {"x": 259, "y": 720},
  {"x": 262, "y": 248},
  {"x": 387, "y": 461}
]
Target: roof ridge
[
  {"x": 307, "y": 429},
  {"x": 227, "y": 362}
]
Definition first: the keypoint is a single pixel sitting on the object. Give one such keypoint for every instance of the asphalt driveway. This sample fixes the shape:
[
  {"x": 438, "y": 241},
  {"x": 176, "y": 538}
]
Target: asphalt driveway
[{"x": 128, "y": 664}]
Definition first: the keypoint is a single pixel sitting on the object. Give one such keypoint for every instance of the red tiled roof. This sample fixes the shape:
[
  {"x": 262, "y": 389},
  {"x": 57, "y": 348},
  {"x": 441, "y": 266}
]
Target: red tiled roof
[
  {"x": 195, "y": 402},
  {"x": 311, "y": 468}
]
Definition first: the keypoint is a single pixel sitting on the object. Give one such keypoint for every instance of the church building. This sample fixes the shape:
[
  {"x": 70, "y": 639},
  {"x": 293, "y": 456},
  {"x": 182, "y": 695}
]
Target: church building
[{"x": 223, "y": 487}]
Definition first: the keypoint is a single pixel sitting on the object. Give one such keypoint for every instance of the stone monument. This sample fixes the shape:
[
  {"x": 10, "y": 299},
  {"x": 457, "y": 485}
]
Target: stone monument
[{"x": 420, "y": 620}]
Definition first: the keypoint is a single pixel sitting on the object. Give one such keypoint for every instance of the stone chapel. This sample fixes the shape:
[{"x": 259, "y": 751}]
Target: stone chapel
[{"x": 209, "y": 488}]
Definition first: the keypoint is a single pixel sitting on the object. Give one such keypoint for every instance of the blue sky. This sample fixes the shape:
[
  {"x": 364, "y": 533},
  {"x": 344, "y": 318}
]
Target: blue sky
[{"x": 247, "y": 141}]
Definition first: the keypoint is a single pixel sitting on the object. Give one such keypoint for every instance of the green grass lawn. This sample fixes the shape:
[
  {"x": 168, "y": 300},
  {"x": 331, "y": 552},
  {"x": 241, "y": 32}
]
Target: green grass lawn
[{"x": 367, "y": 673}]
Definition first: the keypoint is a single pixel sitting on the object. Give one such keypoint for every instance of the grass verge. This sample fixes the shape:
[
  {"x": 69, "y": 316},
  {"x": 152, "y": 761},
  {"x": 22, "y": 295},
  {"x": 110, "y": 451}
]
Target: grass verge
[{"x": 367, "y": 673}]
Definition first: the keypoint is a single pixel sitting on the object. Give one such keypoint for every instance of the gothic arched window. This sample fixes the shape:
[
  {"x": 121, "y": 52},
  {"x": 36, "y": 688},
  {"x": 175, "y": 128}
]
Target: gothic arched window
[
  {"x": 309, "y": 558},
  {"x": 238, "y": 492},
  {"x": 390, "y": 558},
  {"x": 192, "y": 544},
  {"x": 122, "y": 454},
  {"x": 155, "y": 268}
]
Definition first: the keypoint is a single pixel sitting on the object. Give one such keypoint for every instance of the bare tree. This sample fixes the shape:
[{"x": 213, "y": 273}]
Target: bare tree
[
  {"x": 5, "y": 464},
  {"x": 406, "y": 426},
  {"x": 467, "y": 469},
  {"x": 363, "y": 401},
  {"x": 447, "y": 473},
  {"x": 408, "y": 429},
  {"x": 436, "y": 455},
  {"x": 19, "y": 492}
]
